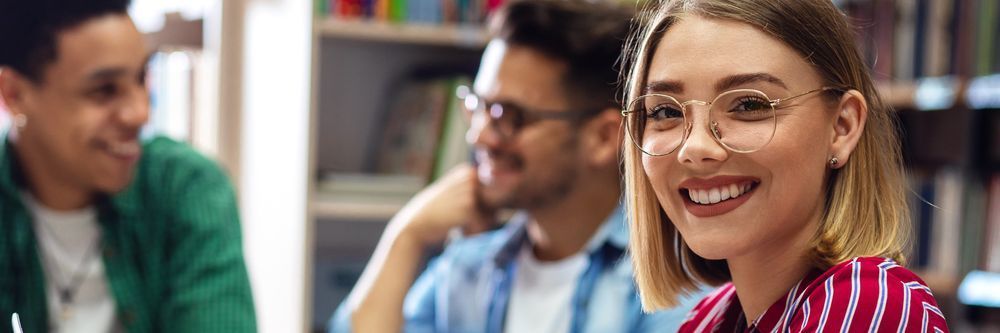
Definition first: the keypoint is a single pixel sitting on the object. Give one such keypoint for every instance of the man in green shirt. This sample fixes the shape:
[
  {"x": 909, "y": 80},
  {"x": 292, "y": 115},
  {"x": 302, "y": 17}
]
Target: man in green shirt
[{"x": 101, "y": 232}]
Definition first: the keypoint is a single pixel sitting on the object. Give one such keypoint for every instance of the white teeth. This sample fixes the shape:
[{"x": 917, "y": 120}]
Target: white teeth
[
  {"x": 718, "y": 194},
  {"x": 714, "y": 196},
  {"x": 131, "y": 148}
]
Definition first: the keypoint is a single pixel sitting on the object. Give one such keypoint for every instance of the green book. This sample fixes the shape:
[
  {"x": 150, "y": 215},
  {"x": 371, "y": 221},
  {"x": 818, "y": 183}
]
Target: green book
[
  {"x": 986, "y": 22},
  {"x": 322, "y": 8},
  {"x": 452, "y": 149},
  {"x": 397, "y": 11},
  {"x": 974, "y": 225}
]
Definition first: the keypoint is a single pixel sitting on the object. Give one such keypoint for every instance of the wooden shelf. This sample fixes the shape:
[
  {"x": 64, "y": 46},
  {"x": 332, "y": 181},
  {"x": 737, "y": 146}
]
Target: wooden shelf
[
  {"x": 325, "y": 208},
  {"x": 425, "y": 34},
  {"x": 940, "y": 283},
  {"x": 898, "y": 94}
]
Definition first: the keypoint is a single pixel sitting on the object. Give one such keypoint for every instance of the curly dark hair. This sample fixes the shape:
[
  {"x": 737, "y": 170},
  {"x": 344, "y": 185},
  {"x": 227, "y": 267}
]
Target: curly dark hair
[
  {"x": 29, "y": 29},
  {"x": 586, "y": 35}
]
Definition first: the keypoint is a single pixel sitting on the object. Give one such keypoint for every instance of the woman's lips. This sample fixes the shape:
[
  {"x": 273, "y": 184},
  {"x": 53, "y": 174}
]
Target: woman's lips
[{"x": 718, "y": 195}]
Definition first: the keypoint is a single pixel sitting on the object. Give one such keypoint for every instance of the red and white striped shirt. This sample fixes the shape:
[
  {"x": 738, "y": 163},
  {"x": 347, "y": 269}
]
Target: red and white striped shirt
[{"x": 860, "y": 295}]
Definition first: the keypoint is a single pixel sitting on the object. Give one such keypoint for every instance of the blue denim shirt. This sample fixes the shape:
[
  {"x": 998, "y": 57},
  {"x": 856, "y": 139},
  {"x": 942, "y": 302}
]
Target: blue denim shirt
[{"x": 466, "y": 288}]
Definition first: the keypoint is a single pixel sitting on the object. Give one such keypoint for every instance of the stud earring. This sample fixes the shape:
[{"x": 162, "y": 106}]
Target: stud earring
[
  {"x": 834, "y": 162},
  {"x": 20, "y": 120}
]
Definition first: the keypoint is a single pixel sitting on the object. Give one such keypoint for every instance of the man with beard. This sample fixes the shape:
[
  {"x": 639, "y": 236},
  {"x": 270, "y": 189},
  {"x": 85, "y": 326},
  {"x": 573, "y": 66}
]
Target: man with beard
[
  {"x": 546, "y": 133},
  {"x": 99, "y": 231}
]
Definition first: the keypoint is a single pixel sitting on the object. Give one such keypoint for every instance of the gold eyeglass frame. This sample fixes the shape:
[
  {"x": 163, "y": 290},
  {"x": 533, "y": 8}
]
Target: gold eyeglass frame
[{"x": 713, "y": 127}]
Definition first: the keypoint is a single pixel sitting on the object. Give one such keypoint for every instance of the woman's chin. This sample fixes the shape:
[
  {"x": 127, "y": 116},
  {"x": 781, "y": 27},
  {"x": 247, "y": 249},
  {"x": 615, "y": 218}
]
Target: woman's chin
[{"x": 715, "y": 248}]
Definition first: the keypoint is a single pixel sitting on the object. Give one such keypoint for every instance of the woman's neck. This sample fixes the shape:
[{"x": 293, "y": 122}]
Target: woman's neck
[{"x": 765, "y": 275}]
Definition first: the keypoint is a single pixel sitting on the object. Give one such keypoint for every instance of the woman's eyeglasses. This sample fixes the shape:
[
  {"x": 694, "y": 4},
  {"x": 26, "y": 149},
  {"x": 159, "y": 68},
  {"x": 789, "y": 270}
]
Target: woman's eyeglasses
[{"x": 742, "y": 120}]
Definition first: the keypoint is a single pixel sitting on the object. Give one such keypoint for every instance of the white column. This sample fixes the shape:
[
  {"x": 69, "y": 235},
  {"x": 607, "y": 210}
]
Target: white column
[{"x": 277, "y": 55}]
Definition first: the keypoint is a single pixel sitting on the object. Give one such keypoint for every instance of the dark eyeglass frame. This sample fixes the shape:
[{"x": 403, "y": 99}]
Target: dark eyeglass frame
[{"x": 520, "y": 117}]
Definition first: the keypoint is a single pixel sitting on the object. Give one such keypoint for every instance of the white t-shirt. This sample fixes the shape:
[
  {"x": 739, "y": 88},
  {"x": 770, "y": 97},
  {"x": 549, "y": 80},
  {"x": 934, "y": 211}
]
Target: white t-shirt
[
  {"x": 69, "y": 245},
  {"x": 542, "y": 293}
]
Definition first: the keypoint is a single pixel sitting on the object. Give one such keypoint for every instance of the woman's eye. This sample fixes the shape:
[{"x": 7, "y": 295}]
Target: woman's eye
[
  {"x": 750, "y": 104},
  {"x": 660, "y": 112}
]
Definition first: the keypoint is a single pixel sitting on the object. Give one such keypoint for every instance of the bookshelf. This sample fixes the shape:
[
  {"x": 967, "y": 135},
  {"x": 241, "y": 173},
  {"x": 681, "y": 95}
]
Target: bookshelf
[
  {"x": 938, "y": 62},
  {"x": 463, "y": 36},
  {"x": 376, "y": 212},
  {"x": 363, "y": 69},
  {"x": 944, "y": 89}
]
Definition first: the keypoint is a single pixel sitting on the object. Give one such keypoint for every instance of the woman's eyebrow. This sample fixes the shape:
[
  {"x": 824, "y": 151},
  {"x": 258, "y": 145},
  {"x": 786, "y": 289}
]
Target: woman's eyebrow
[
  {"x": 726, "y": 83},
  {"x": 666, "y": 86},
  {"x": 736, "y": 80}
]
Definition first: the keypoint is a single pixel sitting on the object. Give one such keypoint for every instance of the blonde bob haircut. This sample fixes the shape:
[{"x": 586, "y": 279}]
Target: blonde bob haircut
[{"x": 865, "y": 210}]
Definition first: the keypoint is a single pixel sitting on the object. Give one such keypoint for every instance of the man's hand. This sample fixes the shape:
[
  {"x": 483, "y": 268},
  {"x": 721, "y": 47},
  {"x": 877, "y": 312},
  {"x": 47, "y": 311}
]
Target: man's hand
[
  {"x": 377, "y": 298},
  {"x": 451, "y": 202}
]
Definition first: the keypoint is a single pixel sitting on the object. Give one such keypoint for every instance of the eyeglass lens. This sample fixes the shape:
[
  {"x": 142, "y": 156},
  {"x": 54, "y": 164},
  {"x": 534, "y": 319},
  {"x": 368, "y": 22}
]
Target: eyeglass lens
[{"x": 741, "y": 120}]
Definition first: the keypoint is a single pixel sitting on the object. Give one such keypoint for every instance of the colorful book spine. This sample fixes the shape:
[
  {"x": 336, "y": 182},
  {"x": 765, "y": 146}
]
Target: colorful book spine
[{"x": 397, "y": 11}]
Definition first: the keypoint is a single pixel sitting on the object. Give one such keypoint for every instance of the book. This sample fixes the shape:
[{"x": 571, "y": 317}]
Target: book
[
  {"x": 411, "y": 126},
  {"x": 973, "y": 225},
  {"x": 904, "y": 43},
  {"x": 947, "y": 220},
  {"x": 453, "y": 148},
  {"x": 991, "y": 250},
  {"x": 986, "y": 37},
  {"x": 924, "y": 227},
  {"x": 920, "y": 40},
  {"x": 938, "y": 44},
  {"x": 883, "y": 37},
  {"x": 410, "y": 11}
]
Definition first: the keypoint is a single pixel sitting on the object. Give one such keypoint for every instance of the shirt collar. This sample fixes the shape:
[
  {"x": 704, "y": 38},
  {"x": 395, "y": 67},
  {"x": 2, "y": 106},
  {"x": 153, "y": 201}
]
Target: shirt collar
[
  {"x": 778, "y": 314},
  {"x": 11, "y": 183},
  {"x": 613, "y": 232},
  {"x": 9, "y": 172}
]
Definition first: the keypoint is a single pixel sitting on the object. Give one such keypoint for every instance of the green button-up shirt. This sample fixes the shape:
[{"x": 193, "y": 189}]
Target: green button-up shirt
[{"x": 171, "y": 243}]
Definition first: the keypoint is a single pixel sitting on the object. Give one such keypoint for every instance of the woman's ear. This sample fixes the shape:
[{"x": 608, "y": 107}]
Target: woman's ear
[
  {"x": 603, "y": 138},
  {"x": 848, "y": 124}
]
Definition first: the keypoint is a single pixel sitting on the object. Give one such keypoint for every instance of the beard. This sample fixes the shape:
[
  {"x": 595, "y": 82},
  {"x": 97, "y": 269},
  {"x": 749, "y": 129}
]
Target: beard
[{"x": 539, "y": 183}]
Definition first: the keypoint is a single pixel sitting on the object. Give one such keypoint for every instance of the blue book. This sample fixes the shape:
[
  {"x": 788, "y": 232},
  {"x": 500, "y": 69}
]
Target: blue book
[
  {"x": 924, "y": 223},
  {"x": 920, "y": 41}
]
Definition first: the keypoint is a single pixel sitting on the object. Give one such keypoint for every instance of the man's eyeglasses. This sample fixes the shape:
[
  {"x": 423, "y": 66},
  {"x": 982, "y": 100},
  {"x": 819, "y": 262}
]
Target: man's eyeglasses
[
  {"x": 741, "y": 120},
  {"x": 509, "y": 118}
]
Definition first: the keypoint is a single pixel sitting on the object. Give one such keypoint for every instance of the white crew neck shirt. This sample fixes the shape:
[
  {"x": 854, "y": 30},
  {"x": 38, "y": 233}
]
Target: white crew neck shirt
[
  {"x": 69, "y": 246},
  {"x": 542, "y": 293}
]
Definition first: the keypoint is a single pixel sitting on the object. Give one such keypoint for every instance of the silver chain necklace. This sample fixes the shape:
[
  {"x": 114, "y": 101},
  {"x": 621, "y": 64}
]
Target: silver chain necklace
[{"x": 67, "y": 292}]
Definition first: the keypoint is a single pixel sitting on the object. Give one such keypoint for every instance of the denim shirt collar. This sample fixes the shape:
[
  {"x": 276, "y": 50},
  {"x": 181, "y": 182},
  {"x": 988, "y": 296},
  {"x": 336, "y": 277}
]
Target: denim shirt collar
[{"x": 613, "y": 234}]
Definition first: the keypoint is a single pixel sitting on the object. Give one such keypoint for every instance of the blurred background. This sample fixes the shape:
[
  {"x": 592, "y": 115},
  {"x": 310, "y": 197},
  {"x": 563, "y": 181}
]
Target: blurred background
[{"x": 330, "y": 114}]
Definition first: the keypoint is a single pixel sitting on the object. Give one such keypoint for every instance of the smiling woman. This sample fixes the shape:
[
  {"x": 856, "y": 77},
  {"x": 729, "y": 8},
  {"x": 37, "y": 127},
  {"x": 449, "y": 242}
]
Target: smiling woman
[{"x": 762, "y": 159}]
